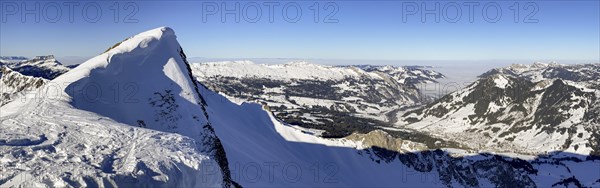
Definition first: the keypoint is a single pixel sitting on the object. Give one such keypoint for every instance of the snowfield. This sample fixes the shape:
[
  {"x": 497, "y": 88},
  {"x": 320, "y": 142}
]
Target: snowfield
[{"x": 54, "y": 146}]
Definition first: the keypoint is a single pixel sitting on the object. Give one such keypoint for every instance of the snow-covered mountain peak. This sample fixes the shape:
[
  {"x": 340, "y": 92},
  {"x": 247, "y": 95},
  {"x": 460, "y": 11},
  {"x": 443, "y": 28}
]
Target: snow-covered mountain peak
[
  {"x": 141, "y": 87},
  {"x": 143, "y": 40},
  {"x": 160, "y": 101},
  {"x": 522, "y": 66},
  {"x": 539, "y": 64},
  {"x": 500, "y": 80},
  {"x": 44, "y": 57}
]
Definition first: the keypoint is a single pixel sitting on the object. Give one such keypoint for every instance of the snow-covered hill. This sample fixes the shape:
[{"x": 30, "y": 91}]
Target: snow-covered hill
[
  {"x": 152, "y": 131},
  {"x": 13, "y": 83},
  {"x": 337, "y": 99},
  {"x": 534, "y": 109},
  {"x": 46, "y": 67}
]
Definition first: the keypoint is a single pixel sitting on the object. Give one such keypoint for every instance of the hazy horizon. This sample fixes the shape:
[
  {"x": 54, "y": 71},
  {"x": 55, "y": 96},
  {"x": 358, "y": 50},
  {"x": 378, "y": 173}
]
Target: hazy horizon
[
  {"x": 72, "y": 60},
  {"x": 340, "y": 30}
]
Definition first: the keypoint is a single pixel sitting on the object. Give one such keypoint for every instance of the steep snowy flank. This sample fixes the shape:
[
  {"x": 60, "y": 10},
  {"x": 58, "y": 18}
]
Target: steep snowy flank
[
  {"x": 131, "y": 116},
  {"x": 13, "y": 83},
  {"x": 533, "y": 109},
  {"x": 337, "y": 99},
  {"x": 46, "y": 67}
]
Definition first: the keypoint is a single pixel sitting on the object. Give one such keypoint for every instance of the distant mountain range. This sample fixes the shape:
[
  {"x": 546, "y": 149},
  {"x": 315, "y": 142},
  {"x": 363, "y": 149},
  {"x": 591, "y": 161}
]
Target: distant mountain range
[
  {"x": 337, "y": 99},
  {"x": 521, "y": 108},
  {"x": 12, "y": 58},
  {"x": 22, "y": 76}
]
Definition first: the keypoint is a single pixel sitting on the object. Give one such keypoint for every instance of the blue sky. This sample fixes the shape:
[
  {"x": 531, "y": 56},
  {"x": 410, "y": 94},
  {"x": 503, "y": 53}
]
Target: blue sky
[{"x": 565, "y": 30}]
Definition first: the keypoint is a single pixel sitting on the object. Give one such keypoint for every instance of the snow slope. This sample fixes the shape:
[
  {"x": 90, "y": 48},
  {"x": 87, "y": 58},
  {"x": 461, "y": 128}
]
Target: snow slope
[{"x": 152, "y": 132}]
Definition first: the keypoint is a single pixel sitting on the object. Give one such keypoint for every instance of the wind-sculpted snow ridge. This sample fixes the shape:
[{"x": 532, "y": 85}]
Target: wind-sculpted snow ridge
[
  {"x": 534, "y": 109},
  {"x": 337, "y": 99},
  {"x": 265, "y": 152},
  {"x": 46, "y": 67},
  {"x": 131, "y": 116}
]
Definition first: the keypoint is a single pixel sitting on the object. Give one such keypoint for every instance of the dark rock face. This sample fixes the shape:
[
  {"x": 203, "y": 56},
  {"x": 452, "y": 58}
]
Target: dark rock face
[{"x": 214, "y": 145}]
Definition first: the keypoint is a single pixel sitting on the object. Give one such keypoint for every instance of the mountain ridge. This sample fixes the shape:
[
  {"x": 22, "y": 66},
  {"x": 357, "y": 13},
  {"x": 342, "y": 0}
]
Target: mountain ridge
[
  {"x": 526, "y": 105},
  {"x": 15, "y": 84}
]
